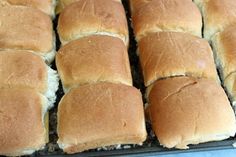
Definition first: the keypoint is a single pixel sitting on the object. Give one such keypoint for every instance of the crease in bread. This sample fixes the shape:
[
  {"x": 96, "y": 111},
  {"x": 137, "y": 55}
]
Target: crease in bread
[
  {"x": 185, "y": 110},
  {"x": 95, "y": 32},
  {"x": 83, "y": 18},
  {"x": 122, "y": 120},
  {"x": 34, "y": 33},
  {"x": 168, "y": 54},
  {"x": 23, "y": 122},
  {"x": 93, "y": 59}
]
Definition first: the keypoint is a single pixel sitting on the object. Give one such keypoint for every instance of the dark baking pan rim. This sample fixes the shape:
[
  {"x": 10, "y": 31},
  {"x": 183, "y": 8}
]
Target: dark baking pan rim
[{"x": 157, "y": 150}]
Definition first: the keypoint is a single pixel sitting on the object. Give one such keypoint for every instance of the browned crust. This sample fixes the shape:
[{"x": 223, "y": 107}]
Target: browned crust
[
  {"x": 167, "y": 15},
  {"x": 24, "y": 28},
  {"x": 92, "y": 59},
  {"x": 21, "y": 124},
  {"x": 21, "y": 69},
  {"x": 187, "y": 111},
  {"x": 86, "y": 17},
  {"x": 103, "y": 114},
  {"x": 166, "y": 54}
]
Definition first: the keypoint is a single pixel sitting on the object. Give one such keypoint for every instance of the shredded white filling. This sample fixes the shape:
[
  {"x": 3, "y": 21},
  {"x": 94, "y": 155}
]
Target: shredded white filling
[{"x": 53, "y": 83}]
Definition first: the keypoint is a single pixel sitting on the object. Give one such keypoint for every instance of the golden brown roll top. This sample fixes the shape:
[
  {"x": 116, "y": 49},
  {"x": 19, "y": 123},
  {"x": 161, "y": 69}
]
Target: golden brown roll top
[
  {"x": 166, "y": 15},
  {"x": 135, "y": 5},
  {"x": 63, "y": 3},
  {"x": 22, "y": 122},
  {"x": 24, "y": 28},
  {"x": 99, "y": 115},
  {"x": 25, "y": 70},
  {"x": 166, "y": 54},
  {"x": 46, "y": 6},
  {"x": 187, "y": 111},
  {"x": 93, "y": 59},
  {"x": 217, "y": 15},
  {"x": 88, "y": 17},
  {"x": 21, "y": 69},
  {"x": 225, "y": 52}
]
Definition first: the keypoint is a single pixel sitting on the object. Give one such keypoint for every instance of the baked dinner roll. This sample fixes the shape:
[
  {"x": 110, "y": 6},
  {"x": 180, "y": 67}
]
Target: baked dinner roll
[
  {"x": 167, "y": 15},
  {"x": 46, "y": 6},
  {"x": 186, "y": 111},
  {"x": 99, "y": 115},
  {"x": 225, "y": 52},
  {"x": 22, "y": 69},
  {"x": 87, "y": 17},
  {"x": 93, "y": 59},
  {"x": 23, "y": 122},
  {"x": 166, "y": 54},
  {"x": 63, "y": 3},
  {"x": 217, "y": 15},
  {"x": 24, "y": 28}
]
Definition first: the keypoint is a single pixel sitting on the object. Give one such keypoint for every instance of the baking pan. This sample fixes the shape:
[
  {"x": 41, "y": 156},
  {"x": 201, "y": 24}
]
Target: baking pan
[{"x": 150, "y": 146}]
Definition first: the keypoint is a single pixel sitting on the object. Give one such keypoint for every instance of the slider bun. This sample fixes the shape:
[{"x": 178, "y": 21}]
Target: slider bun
[
  {"x": 166, "y": 54},
  {"x": 100, "y": 115},
  {"x": 22, "y": 69},
  {"x": 24, "y": 28},
  {"x": 217, "y": 15},
  {"x": 92, "y": 59},
  {"x": 167, "y": 15},
  {"x": 225, "y": 51},
  {"x": 186, "y": 110},
  {"x": 84, "y": 18},
  {"x": 46, "y": 6},
  {"x": 22, "y": 128}
]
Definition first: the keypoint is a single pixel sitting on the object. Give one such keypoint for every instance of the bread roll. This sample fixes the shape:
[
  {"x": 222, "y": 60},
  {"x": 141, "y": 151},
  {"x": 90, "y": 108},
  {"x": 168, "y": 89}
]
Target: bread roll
[
  {"x": 93, "y": 59},
  {"x": 63, "y": 3},
  {"x": 99, "y": 115},
  {"x": 167, "y": 15},
  {"x": 166, "y": 54},
  {"x": 217, "y": 15},
  {"x": 22, "y": 69},
  {"x": 24, "y": 28},
  {"x": 22, "y": 122},
  {"x": 186, "y": 110},
  {"x": 84, "y": 18},
  {"x": 225, "y": 52},
  {"x": 46, "y": 6}
]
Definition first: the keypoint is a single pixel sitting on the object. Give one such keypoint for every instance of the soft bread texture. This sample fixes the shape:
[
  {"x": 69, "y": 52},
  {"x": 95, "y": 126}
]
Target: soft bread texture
[
  {"x": 217, "y": 15},
  {"x": 46, "y": 6},
  {"x": 22, "y": 69},
  {"x": 186, "y": 110},
  {"x": 166, "y": 54},
  {"x": 24, "y": 28},
  {"x": 93, "y": 59},
  {"x": 225, "y": 55},
  {"x": 167, "y": 15},
  {"x": 63, "y": 3},
  {"x": 22, "y": 128},
  {"x": 87, "y": 17},
  {"x": 99, "y": 115}
]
